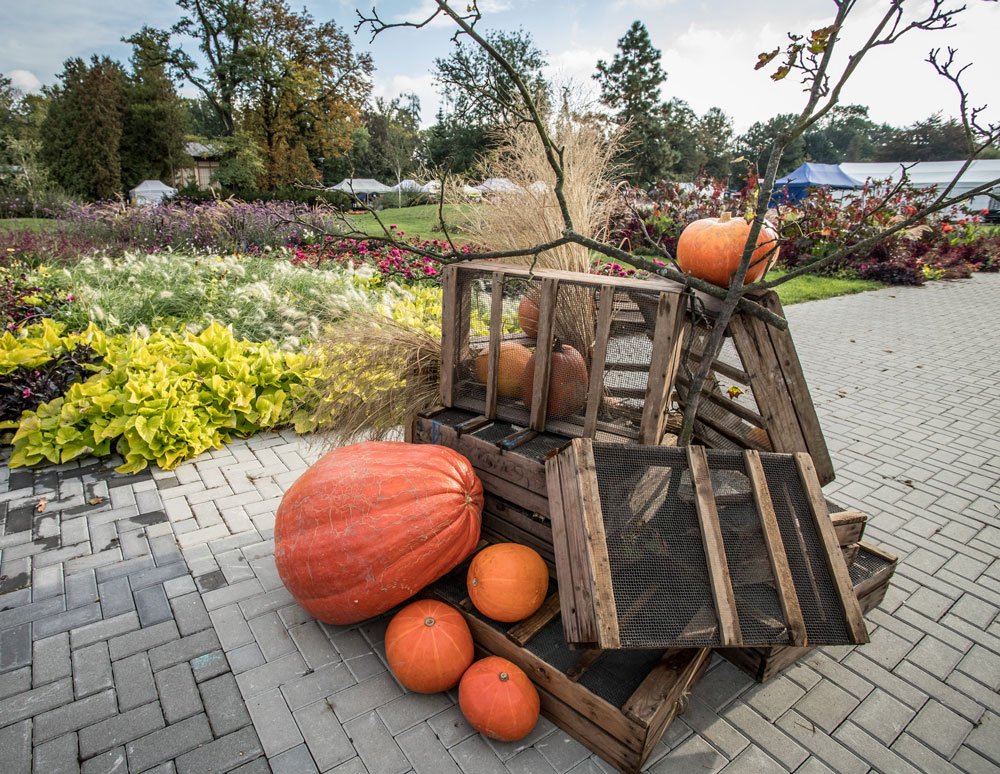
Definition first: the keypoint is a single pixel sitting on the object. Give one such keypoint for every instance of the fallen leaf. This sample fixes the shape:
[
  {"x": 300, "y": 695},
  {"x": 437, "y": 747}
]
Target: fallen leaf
[
  {"x": 734, "y": 392},
  {"x": 40, "y": 505},
  {"x": 97, "y": 500},
  {"x": 887, "y": 350}
]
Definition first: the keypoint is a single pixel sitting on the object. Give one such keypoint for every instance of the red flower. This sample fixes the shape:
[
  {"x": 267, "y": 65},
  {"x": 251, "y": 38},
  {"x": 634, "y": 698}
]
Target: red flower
[{"x": 947, "y": 228}]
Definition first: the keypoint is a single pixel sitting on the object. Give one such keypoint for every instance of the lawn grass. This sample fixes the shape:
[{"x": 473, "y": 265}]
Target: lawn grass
[
  {"x": 812, "y": 287},
  {"x": 31, "y": 224},
  {"x": 417, "y": 221}
]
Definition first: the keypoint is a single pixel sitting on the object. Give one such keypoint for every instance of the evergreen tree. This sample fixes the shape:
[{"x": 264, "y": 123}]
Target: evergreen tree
[
  {"x": 201, "y": 119},
  {"x": 755, "y": 144},
  {"x": 715, "y": 143},
  {"x": 152, "y": 145},
  {"x": 456, "y": 146},
  {"x": 82, "y": 131},
  {"x": 630, "y": 85}
]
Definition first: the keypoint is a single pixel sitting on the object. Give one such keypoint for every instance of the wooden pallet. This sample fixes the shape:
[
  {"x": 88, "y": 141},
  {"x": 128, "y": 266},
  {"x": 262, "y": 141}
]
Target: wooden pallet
[
  {"x": 668, "y": 547},
  {"x": 614, "y": 703},
  {"x": 871, "y": 572},
  {"x": 765, "y": 367}
]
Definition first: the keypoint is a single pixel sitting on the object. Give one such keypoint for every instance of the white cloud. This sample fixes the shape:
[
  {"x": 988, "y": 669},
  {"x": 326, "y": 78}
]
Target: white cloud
[
  {"x": 644, "y": 4},
  {"x": 25, "y": 80},
  {"x": 422, "y": 85}
]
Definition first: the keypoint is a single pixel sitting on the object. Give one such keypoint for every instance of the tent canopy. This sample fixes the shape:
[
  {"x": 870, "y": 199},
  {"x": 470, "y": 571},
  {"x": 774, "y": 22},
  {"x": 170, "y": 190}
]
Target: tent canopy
[
  {"x": 361, "y": 185},
  {"x": 498, "y": 185},
  {"x": 923, "y": 174},
  {"x": 407, "y": 185},
  {"x": 150, "y": 192},
  {"x": 794, "y": 186}
]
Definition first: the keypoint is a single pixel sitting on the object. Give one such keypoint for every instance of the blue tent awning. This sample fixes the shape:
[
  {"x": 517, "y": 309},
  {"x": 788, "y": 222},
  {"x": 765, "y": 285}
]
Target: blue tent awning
[{"x": 794, "y": 186}]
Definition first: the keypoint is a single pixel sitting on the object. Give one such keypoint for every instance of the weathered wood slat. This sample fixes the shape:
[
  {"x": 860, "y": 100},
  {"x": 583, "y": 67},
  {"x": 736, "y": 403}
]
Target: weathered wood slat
[
  {"x": 831, "y": 549},
  {"x": 849, "y": 526},
  {"x": 720, "y": 367},
  {"x": 449, "y": 331},
  {"x": 784, "y": 585},
  {"x": 585, "y": 662},
  {"x": 665, "y": 357},
  {"x": 521, "y": 634},
  {"x": 727, "y": 404},
  {"x": 599, "y": 570},
  {"x": 595, "y": 394},
  {"x": 715, "y": 552},
  {"x": 574, "y": 503},
  {"x": 543, "y": 352},
  {"x": 493, "y": 350},
  {"x": 560, "y": 546}
]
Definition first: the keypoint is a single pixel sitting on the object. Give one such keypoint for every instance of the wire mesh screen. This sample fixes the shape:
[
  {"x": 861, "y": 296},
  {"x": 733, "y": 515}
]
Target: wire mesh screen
[
  {"x": 617, "y": 674},
  {"x": 867, "y": 565},
  {"x": 821, "y": 606},
  {"x": 659, "y": 569}
]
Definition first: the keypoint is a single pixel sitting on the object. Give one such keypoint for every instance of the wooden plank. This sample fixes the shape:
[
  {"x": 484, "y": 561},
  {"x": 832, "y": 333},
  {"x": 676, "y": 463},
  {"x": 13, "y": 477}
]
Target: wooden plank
[
  {"x": 715, "y": 551},
  {"x": 784, "y": 584},
  {"x": 758, "y": 357},
  {"x": 449, "y": 330},
  {"x": 663, "y": 362},
  {"x": 795, "y": 382},
  {"x": 849, "y": 526},
  {"x": 521, "y": 518},
  {"x": 595, "y": 394},
  {"x": 677, "y": 695},
  {"x": 585, "y": 662},
  {"x": 726, "y": 403},
  {"x": 602, "y": 590},
  {"x": 673, "y": 675},
  {"x": 525, "y": 631},
  {"x": 580, "y": 571},
  {"x": 518, "y": 495},
  {"x": 731, "y": 371},
  {"x": 560, "y": 547},
  {"x": 493, "y": 350},
  {"x": 831, "y": 549},
  {"x": 647, "y": 285},
  {"x": 543, "y": 353}
]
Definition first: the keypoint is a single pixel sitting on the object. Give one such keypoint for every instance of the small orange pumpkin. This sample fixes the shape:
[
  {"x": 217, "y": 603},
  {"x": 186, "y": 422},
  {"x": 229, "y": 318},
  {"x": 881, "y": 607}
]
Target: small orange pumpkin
[
  {"x": 498, "y": 699},
  {"x": 527, "y": 316},
  {"x": 711, "y": 249},
  {"x": 514, "y": 358},
  {"x": 428, "y": 646},
  {"x": 568, "y": 381},
  {"x": 507, "y": 581}
]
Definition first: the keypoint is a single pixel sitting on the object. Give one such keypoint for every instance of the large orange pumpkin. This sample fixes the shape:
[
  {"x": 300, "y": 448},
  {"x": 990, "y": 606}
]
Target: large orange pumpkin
[
  {"x": 527, "y": 316},
  {"x": 711, "y": 249},
  {"x": 568, "y": 381},
  {"x": 498, "y": 699},
  {"x": 514, "y": 358},
  {"x": 507, "y": 581},
  {"x": 371, "y": 524},
  {"x": 428, "y": 646}
]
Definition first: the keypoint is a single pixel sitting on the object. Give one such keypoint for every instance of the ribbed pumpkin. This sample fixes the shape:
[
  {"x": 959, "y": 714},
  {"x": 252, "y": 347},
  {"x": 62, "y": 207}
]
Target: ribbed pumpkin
[
  {"x": 428, "y": 646},
  {"x": 568, "y": 381},
  {"x": 507, "y": 581},
  {"x": 711, "y": 249},
  {"x": 498, "y": 699},
  {"x": 514, "y": 359},
  {"x": 527, "y": 316},
  {"x": 371, "y": 524}
]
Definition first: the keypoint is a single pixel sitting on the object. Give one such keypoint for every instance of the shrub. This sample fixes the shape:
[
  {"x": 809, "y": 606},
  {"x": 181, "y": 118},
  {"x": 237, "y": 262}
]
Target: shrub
[
  {"x": 167, "y": 397},
  {"x": 22, "y": 247},
  {"x": 890, "y": 262},
  {"x": 28, "y": 388}
]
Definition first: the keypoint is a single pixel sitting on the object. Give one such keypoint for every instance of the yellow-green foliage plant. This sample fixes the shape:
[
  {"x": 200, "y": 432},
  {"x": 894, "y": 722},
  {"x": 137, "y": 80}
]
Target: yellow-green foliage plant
[
  {"x": 37, "y": 344},
  {"x": 169, "y": 396}
]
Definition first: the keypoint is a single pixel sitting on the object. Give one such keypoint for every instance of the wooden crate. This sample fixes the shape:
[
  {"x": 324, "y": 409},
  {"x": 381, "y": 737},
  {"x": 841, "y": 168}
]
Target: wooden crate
[
  {"x": 616, "y": 703},
  {"x": 871, "y": 571},
  {"x": 627, "y": 333},
  {"x": 683, "y": 547},
  {"x": 772, "y": 410}
]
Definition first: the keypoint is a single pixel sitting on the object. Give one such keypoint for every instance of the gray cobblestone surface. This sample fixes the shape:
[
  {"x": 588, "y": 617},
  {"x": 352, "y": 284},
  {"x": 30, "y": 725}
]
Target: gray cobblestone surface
[{"x": 143, "y": 624}]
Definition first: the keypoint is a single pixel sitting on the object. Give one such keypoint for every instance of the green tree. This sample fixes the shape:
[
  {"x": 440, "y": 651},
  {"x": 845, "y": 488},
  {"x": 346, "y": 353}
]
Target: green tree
[
  {"x": 82, "y": 130},
  {"x": 846, "y": 133},
  {"x": 152, "y": 144},
  {"x": 393, "y": 128},
  {"x": 222, "y": 29},
  {"x": 755, "y": 144},
  {"x": 715, "y": 143},
  {"x": 478, "y": 91},
  {"x": 630, "y": 86},
  {"x": 201, "y": 118},
  {"x": 683, "y": 154},
  {"x": 933, "y": 139},
  {"x": 304, "y": 90},
  {"x": 455, "y": 146}
]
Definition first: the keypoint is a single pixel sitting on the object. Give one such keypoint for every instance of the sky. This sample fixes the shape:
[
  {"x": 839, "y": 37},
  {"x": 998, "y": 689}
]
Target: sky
[{"x": 709, "y": 47}]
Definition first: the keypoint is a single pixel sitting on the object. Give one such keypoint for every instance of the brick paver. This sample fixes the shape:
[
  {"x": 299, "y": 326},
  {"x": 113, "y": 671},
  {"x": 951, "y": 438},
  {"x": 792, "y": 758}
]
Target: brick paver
[{"x": 142, "y": 619}]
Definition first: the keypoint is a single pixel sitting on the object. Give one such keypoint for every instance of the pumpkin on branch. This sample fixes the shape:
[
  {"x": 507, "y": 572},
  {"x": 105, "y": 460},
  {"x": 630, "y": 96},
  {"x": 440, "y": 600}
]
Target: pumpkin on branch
[
  {"x": 711, "y": 248},
  {"x": 507, "y": 582},
  {"x": 428, "y": 646},
  {"x": 371, "y": 524},
  {"x": 498, "y": 699}
]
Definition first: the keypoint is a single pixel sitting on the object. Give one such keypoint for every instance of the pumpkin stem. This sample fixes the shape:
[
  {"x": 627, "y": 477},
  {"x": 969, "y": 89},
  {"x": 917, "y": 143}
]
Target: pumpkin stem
[
  {"x": 429, "y": 621},
  {"x": 504, "y": 677},
  {"x": 725, "y": 215}
]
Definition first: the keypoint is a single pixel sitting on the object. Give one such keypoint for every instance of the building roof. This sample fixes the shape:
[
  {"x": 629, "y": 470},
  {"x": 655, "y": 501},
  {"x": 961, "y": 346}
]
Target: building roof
[{"x": 201, "y": 150}]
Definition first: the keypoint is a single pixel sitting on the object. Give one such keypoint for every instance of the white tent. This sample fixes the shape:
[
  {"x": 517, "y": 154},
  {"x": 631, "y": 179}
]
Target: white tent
[
  {"x": 923, "y": 174},
  {"x": 492, "y": 185},
  {"x": 151, "y": 192},
  {"x": 361, "y": 186},
  {"x": 473, "y": 192},
  {"x": 433, "y": 187},
  {"x": 407, "y": 186}
]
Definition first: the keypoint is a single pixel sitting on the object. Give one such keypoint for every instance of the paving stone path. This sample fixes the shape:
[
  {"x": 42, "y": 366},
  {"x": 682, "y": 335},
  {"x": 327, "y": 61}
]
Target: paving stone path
[{"x": 143, "y": 625}]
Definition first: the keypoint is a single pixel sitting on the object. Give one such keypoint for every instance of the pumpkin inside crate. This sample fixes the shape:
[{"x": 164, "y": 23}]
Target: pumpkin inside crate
[{"x": 560, "y": 351}]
